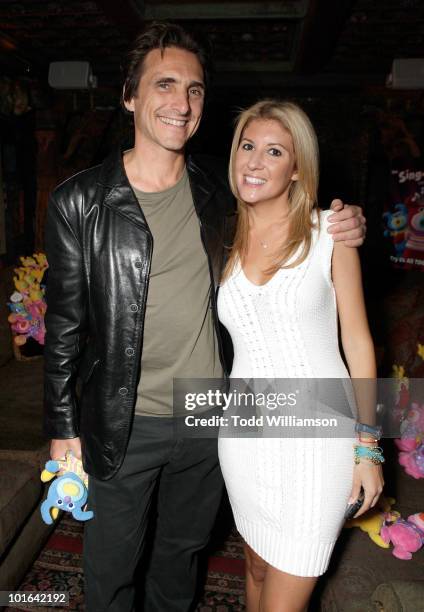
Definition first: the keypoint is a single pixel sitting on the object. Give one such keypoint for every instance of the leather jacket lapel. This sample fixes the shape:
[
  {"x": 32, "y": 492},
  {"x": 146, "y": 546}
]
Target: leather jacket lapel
[
  {"x": 202, "y": 188},
  {"x": 120, "y": 196}
]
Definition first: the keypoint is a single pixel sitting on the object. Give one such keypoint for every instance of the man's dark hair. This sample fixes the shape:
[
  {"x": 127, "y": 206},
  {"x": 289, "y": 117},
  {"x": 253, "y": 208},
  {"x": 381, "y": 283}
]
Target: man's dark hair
[{"x": 159, "y": 35}]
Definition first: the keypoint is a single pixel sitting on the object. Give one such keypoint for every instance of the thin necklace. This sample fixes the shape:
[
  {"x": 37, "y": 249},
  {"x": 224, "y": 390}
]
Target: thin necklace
[{"x": 265, "y": 244}]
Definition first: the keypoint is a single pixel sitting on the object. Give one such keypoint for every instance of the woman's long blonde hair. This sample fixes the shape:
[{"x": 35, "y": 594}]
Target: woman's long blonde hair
[{"x": 302, "y": 195}]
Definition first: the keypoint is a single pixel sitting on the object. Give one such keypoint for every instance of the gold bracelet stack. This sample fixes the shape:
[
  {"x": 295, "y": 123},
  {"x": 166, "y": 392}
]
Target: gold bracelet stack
[{"x": 371, "y": 453}]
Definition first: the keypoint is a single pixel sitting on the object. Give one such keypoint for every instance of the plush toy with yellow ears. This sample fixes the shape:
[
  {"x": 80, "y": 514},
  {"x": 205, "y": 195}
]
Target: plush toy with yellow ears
[
  {"x": 372, "y": 521},
  {"x": 68, "y": 492}
]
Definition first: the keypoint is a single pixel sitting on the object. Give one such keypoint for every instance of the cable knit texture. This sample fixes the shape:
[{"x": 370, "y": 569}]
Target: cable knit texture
[{"x": 288, "y": 495}]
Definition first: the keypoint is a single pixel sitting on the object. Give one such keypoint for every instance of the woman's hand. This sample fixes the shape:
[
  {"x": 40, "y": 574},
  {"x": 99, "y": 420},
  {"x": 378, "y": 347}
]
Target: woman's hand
[{"x": 370, "y": 476}]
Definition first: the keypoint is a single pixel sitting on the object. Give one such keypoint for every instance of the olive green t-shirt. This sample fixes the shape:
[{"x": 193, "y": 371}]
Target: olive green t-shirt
[{"x": 179, "y": 335}]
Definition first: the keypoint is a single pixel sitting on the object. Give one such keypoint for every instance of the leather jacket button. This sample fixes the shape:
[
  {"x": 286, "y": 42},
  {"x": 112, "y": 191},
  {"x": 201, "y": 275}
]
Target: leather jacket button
[
  {"x": 123, "y": 391},
  {"x": 129, "y": 351},
  {"x": 138, "y": 263},
  {"x": 133, "y": 307}
]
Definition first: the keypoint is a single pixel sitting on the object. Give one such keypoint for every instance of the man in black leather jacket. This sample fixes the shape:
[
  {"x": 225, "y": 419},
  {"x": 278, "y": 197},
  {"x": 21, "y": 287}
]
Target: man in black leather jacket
[{"x": 135, "y": 249}]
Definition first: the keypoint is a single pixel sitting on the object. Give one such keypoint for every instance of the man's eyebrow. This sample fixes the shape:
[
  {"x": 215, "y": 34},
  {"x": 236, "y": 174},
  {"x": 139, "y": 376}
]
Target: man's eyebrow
[
  {"x": 197, "y": 84},
  {"x": 164, "y": 79},
  {"x": 161, "y": 79}
]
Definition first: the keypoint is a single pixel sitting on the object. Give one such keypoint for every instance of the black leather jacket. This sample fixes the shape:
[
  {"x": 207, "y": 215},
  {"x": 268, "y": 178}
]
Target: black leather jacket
[{"x": 99, "y": 251}]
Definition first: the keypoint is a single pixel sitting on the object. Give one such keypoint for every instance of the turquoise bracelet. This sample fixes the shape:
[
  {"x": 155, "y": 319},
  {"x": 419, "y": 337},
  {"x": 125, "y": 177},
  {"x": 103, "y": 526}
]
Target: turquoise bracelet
[{"x": 373, "y": 453}]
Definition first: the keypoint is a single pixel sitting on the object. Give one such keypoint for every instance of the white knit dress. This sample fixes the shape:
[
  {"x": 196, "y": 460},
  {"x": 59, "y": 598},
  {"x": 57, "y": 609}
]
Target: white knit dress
[{"x": 288, "y": 495}]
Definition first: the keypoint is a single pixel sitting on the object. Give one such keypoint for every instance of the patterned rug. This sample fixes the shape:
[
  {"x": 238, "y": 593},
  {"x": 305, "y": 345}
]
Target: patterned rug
[{"x": 59, "y": 568}]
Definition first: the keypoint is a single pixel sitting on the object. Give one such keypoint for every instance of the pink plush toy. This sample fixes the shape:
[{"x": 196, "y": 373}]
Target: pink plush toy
[
  {"x": 417, "y": 519},
  {"x": 413, "y": 424},
  {"x": 411, "y": 444},
  {"x": 406, "y": 536},
  {"x": 413, "y": 461},
  {"x": 406, "y": 444}
]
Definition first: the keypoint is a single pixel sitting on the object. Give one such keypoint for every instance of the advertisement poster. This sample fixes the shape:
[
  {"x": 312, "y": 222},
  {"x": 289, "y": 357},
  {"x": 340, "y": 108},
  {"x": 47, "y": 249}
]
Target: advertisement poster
[{"x": 404, "y": 217}]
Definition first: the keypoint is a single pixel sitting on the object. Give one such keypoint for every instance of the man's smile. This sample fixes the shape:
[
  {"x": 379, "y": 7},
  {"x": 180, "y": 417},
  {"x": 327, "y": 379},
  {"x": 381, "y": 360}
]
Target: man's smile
[{"x": 174, "y": 122}]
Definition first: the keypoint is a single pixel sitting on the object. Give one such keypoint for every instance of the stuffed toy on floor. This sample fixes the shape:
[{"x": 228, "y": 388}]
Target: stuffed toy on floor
[
  {"x": 372, "y": 521},
  {"x": 407, "y": 536}
]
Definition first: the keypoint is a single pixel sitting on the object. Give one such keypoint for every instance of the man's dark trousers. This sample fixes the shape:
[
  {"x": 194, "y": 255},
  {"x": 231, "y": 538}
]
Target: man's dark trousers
[{"x": 190, "y": 487}]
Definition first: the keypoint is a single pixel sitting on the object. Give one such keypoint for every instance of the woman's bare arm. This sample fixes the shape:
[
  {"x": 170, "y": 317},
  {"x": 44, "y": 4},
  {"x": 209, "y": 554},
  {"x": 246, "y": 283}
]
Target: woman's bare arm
[
  {"x": 355, "y": 334},
  {"x": 359, "y": 352}
]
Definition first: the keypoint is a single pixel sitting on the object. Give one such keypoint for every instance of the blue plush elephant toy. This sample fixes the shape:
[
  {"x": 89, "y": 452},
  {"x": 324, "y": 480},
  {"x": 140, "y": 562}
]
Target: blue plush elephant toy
[{"x": 68, "y": 492}]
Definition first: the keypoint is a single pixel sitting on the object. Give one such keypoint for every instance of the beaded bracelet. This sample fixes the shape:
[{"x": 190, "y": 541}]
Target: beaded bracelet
[{"x": 374, "y": 454}]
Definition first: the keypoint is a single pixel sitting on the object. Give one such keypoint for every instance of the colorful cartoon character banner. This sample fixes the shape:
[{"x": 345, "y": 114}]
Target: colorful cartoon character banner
[{"x": 404, "y": 218}]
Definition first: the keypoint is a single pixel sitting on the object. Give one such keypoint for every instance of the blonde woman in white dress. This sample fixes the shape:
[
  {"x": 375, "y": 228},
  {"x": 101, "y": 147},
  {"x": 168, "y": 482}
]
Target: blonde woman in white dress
[{"x": 285, "y": 286}]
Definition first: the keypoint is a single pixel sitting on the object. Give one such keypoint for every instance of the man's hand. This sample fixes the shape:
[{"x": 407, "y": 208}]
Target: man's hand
[
  {"x": 347, "y": 224},
  {"x": 58, "y": 448}
]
